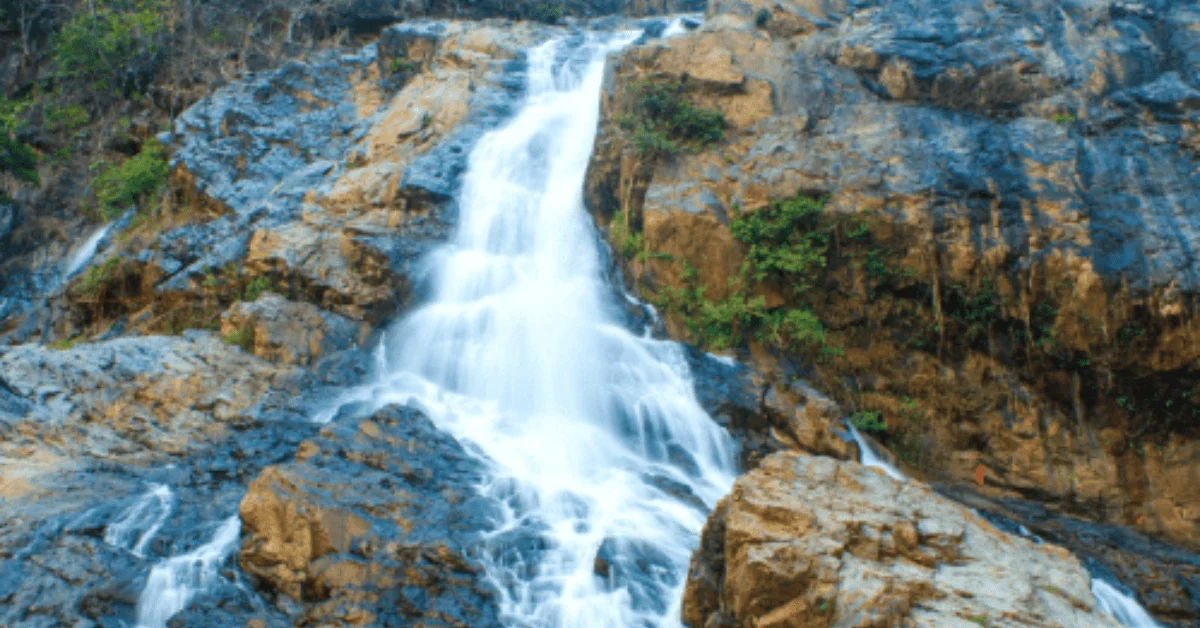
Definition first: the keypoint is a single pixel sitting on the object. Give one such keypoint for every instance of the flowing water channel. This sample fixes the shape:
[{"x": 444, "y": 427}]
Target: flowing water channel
[{"x": 594, "y": 438}]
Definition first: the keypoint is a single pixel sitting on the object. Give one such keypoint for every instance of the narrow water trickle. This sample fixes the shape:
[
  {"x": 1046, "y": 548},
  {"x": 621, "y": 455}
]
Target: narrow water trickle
[
  {"x": 138, "y": 524},
  {"x": 599, "y": 451},
  {"x": 86, "y": 251},
  {"x": 175, "y": 581},
  {"x": 1123, "y": 607},
  {"x": 868, "y": 458}
]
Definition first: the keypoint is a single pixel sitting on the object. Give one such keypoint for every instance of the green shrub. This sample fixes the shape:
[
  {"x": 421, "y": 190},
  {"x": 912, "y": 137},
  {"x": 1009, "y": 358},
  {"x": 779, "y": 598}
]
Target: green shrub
[
  {"x": 868, "y": 421},
  {"x": 402, "y": 65},
  {"x": 65, "y": 343},
  {"x": 548, "y": 12},
  {"x": 242, "y": 337},
  {"x": 665, "y": 123},
  {"x": 132, "y": 182},
  {"x": 18, "y": 159},
  {"x": 785, "y": 240},
  {"x": 257, "y": 287},
  {"x": 762, "y": 17},
  {"x": 786, "y": 243},
  {"x": 95, "y": 45},
  {"x": 627, "y": 242},
  {"x": 67, "y": 117}
]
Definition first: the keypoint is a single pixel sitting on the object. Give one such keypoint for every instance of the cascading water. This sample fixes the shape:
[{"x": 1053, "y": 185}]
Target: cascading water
[
  {"x": 87, "y": 250},
  {"x": 1123, "y": 607},
  {"x": 868, "y": 458},
  {"x": 139, "y": 523},
  {"x": 175, "y": 581},
  {"x": 595, "y": 440}
]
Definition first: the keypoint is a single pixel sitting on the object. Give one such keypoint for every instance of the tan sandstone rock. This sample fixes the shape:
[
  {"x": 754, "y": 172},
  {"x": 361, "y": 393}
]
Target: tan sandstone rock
[{"x": 810, "y": 541}]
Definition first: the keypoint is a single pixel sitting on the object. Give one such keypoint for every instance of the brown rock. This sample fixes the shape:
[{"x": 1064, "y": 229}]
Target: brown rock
[
  {"x": 289, "y": 332},
  {"x": 804, "y": 541}
]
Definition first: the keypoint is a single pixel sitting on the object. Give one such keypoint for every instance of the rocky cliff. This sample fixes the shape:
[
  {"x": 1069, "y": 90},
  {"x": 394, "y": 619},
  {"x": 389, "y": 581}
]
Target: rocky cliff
[{"x": 1006, "y": 283}]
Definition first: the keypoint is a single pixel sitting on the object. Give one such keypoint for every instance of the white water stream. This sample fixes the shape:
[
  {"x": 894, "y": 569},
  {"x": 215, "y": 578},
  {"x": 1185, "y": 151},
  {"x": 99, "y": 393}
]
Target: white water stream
[
  {"x": 138, "y": 524},
  {"x": 591, "y": 432},
  {"x": 87, "y": 250},
  {"x": 868, "y": 458},
  {"x": 1124, "y": 608},
  {"x": 175, "y": 581}
]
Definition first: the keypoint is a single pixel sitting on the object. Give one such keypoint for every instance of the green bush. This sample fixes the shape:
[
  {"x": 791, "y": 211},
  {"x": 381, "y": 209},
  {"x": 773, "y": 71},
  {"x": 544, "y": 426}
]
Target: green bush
[
  {"x": 135, "y": 180},
  {"x": 18, "y": 159},
  {"x": 868, "y": 421},
  {"x": 787, "y": 244},
  {"x": 665, "y": 123},
  {"x": 762, "y": 17},
  {"x": 67, "y": 117},
  {"x": 401, "y": 65},
  {"x": 95, "y": 45},
  {"x": 65, "y": 343},
  {"x": 785, "y": 240},
  {"x": 257, "y": 287},
  {"x": 15, "y": 157},
  {"x": 242, "y": 337},
  {"x": 627, "y": 242},
  {"x": 97, "y": 276}
]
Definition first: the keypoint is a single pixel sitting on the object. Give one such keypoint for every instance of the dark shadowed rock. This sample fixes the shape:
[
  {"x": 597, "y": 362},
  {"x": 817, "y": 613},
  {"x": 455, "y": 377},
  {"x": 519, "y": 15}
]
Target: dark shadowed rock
[{"x": 376, "y": 519}]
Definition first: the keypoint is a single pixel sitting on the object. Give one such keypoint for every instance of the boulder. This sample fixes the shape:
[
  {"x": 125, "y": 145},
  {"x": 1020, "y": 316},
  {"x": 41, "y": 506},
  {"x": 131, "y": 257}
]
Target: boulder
[
  {"x": 373, "y": 524},
  {"x": 811, "y": 541}
]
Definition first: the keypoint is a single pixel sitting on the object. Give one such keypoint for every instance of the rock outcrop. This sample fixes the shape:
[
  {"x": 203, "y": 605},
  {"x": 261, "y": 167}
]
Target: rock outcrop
[
  {"x": 1018, "y": 296},
  {"x": 372, "y": 524},
  {"x": 89, "y": 432},
  {"x": 809, "y": 541}
]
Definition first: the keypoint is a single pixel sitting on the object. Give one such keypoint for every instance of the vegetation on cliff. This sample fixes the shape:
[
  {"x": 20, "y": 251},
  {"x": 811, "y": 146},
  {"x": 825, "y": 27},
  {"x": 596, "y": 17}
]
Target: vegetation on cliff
[
  {"x": 665, "y": 122},
  {"x": 786, "y": 245}
]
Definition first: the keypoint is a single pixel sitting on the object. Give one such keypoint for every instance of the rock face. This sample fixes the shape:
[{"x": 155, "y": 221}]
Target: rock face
[
  {"x": 372, "y": 524},
  {"x": 804, "y": 541},
  {"x": 290, "y": 332},
  {"x": 88, "y": 432},
  {"x": 1021, "y": 300}
]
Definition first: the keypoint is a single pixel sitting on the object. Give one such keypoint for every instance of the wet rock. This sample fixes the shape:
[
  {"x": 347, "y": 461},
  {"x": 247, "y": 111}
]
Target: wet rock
[
  {"x": 766, "y": 414},
  {"x": 639, "y": 568},
  {"x": 374, "y": 522},
  {"x": 88, "y": 431},
  {"x": 805, "y": 541}
]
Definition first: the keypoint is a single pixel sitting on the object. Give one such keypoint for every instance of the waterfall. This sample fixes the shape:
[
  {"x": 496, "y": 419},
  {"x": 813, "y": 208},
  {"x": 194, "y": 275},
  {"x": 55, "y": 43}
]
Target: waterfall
[
  {"x": 602, "y": 458},
  {"x": 86, "y": 251},
  {"x": 868, "y": 458},
  {"x": 146, "y": 515},
  {"x": 175, "y": 581},
  {"x": 1123, "y": 607}
]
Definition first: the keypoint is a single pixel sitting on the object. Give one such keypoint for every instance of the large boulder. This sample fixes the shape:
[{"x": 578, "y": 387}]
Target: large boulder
[
  {"x": 811, "y": 541},
  {"x": 374, "y": 523}
]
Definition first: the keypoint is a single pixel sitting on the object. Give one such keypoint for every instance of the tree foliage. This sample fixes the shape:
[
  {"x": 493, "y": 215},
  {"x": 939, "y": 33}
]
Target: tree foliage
[{"x": 118, "y": 188}]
